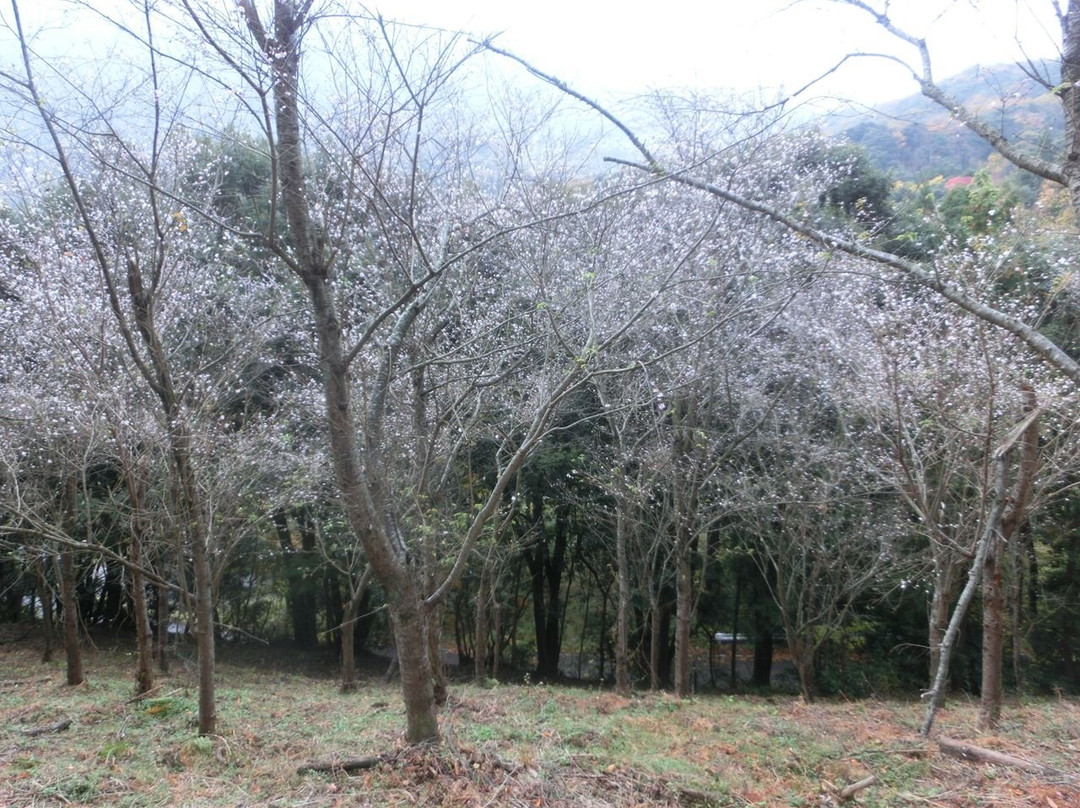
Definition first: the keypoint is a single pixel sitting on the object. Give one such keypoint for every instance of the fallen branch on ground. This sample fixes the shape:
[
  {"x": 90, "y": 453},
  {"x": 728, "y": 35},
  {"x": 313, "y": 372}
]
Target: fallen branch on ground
[
  {"x": 847, "y": 792},
  {"x": 346, "y": 765},
  {"x": 17, "y": 682},
  {"x": 968, "y": 752},
  {"x": 59, "y": 726}
]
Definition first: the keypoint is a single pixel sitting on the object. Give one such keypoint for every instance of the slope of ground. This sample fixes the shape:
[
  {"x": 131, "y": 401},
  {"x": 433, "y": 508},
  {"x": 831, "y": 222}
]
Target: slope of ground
[{"x": 512, "y": 745}]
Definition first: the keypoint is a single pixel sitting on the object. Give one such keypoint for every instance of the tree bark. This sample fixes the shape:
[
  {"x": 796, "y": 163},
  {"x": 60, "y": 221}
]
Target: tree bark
[
  {"x": 483, "y": 596},
  {"x": 45, "y": 597},
  {"x": 684, "y": 604},
  {"x": 70, "y": 603},
  {"x": 622, "y": 612},
  {"x": 993, "y": 634},
  {"x": 656, "y": 640},
  {"x": 993, "y": 583},
  {"x": 72, "y": 646},
  {"x": 348, "y": 631},
  {"x": 992, "y": 527},
  {"x": 940, "y": 601},
  {"x": 137, "y": 531},
  {"x": 161, "y": 636},
  {"x": 969, "y": 752}
]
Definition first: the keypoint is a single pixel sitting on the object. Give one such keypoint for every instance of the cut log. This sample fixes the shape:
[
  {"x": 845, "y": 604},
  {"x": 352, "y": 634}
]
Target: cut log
[
  {"x": 345, "y": 765},
  {"x": 968, "y": 752},
  {"x": 847, "y": 792},
  {"x": 59, "y": 726}
]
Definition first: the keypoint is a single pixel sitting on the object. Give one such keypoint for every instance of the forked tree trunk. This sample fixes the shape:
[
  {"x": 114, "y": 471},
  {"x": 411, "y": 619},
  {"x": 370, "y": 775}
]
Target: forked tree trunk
[
  {"x": 993, "y": 647},
  {"x": 991, "y": 533},
  {"x": 357, "y": 480}
]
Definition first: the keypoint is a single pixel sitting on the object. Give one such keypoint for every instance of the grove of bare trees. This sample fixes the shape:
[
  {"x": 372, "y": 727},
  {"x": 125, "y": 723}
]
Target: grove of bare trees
[{"x": 325, "y": 328}]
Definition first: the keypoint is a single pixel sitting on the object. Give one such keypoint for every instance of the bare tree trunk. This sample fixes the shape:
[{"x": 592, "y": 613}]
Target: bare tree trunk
[
  {"x": 348, "y": 646},
  {"x": 433, "y": 618},
  {"x": 72, "y": 647},
  {"x": 733, "y": 674},
  {"x": 622, "y": 616},
  {"x": 940, "y": 600},
  {"x": 993, "y": 636},
  {"x": 351, "y": 611},
  {"x": 992, "y": 527},
  {"x": 481, "y": 623},
  {"x": 497, "y": 630},
  {"x": 161, "y": 638},
  {"x": 45, "y": 596},
  {"x": 144, "y": 662},
  {"x": 993, "y": 650},
  {"x": 655, "y": 640},
  {"x": 684, "y": 604},
  {"x": 414, "y": 660}
]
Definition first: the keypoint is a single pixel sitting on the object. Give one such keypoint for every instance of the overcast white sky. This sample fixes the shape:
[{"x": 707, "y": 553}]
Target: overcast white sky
[
  {"x": 608, "y": 48},
  {"x": 740, "y": 44}
]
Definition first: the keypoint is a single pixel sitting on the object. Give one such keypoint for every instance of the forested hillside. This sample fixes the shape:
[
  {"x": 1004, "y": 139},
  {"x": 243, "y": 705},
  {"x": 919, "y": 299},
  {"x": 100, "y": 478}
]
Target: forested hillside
[
  {"x": 915, "y": 139},
  {"x": 322, "y": 336}
]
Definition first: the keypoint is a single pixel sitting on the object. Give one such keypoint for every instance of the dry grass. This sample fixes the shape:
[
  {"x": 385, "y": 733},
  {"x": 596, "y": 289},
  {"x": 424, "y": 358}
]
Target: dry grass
[{"x": 504, "y": 746}]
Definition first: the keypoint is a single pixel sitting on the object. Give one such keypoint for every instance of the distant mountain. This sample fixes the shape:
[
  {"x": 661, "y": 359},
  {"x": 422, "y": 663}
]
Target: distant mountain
[{"x": 915, "y": 139}]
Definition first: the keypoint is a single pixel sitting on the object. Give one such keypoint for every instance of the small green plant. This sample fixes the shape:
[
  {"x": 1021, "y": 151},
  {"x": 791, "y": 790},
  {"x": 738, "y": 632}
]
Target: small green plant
[
  {"x": 201, "y": 745},
  {"x": 114, "y": 750},
  {"x": 167, "y": 705}
]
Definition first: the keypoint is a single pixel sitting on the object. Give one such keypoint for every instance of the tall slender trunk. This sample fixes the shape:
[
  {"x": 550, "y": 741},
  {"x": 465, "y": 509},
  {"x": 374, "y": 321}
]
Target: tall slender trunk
[
  {"x": 348, "y": 645},
  {"x": 72, "y": 646},
  {"x": 483, "y": 596},
  {"x": 497, "y": 654},
  {"x": 656, "y": 640},
  {"x": 945, "y": 569},
  {"x": 993, "y": 640},
  {"x": 733, "y": 674},
  {"x": 161, "y": 637},
  {"x": 68, "y": 597},
  {"x": 144, "y": 658},
  {"x": 433, "y": 616},
  {"x": 45, "y": 596},
  {"x": 622, "y": 613},
  {"x": 684, "y": 605},
  {"x": 197, "y": 540}
]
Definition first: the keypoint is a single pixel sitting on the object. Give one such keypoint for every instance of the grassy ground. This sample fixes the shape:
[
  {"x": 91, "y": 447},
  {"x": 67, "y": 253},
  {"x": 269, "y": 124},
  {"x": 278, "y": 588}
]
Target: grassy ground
[{"x": 528, "y": 746}]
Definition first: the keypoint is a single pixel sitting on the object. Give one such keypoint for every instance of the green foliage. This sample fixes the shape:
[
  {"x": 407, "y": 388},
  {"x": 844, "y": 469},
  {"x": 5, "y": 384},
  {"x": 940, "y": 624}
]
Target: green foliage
[
  {"x": 978, "y": 208},
  {"x": 168, "y": 706}
]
